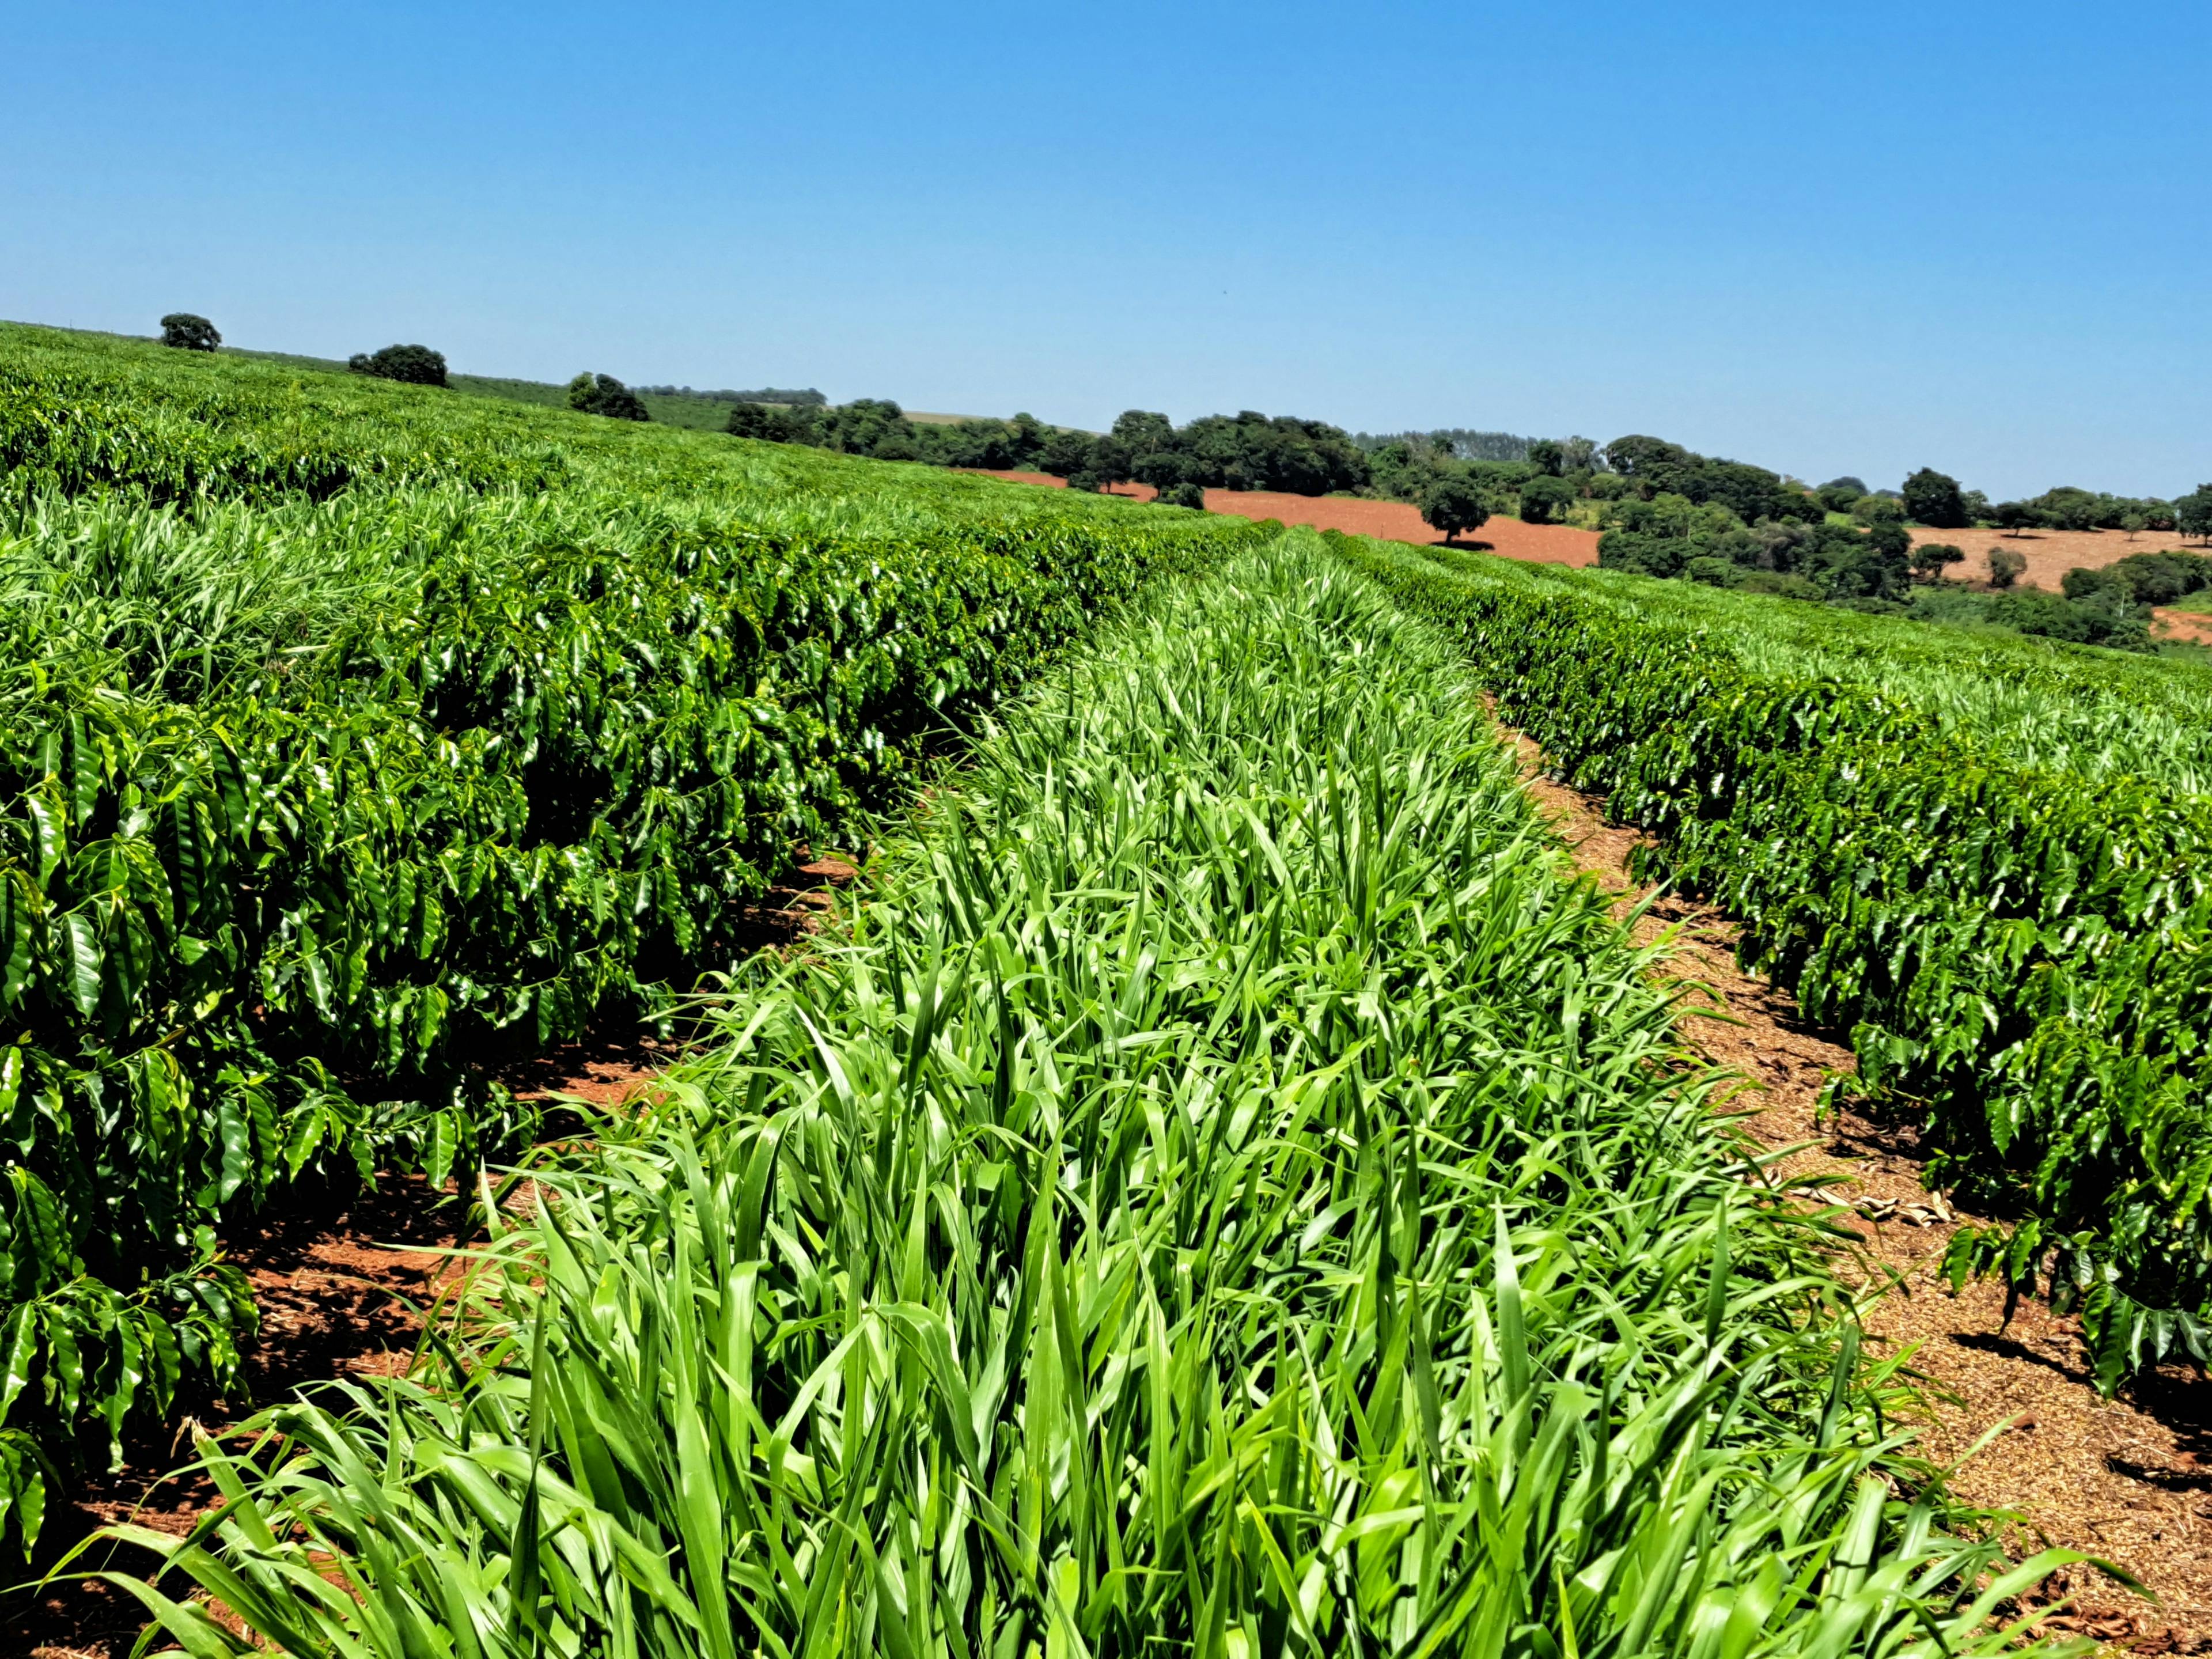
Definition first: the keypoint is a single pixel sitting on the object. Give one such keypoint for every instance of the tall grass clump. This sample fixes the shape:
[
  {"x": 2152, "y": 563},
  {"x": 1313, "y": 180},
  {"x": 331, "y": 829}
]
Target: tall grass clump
[{"x": 1223, "y": 1189}]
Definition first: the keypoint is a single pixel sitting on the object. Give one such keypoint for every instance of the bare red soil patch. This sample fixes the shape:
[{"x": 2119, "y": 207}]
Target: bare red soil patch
[
  {"x": 1391, "y": 521},
  {"x": 2129, "y": 1480},
  {"x": 2193, "y": 626},
  {"x": 2049, "y": 553}
]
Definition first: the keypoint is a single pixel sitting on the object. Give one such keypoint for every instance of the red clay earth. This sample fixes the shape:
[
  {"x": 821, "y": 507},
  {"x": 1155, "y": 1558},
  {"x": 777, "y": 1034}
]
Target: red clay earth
[
  {"x": 2049, "y": 553},
  {"x": 1389, "y": 521},
  {"x": 2193, "y": 626}
]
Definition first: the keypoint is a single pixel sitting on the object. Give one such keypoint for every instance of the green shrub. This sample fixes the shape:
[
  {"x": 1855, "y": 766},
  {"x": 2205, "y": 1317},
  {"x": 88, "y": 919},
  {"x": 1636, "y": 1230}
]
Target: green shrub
[
  {"x": 186, "y": 333},
  {"x": 415, "y": 365}
]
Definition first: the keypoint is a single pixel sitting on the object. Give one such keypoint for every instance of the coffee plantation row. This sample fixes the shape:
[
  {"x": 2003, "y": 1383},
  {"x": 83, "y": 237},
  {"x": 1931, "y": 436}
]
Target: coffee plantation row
[
  {"x": 352, "y": 738},
  {"x": 1223, "y": 1188},
  {"x": 1986, "y": 859}
]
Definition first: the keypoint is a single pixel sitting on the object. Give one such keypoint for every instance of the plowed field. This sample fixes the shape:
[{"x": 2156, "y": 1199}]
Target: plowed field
[
  {"x": 2049, "y": 553},
  {"x": 1395, "y": 521}
]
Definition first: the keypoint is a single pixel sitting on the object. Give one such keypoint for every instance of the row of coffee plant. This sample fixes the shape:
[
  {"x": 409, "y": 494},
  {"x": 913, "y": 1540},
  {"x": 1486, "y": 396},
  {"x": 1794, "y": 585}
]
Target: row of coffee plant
[
  {"x": 2018, "y": 949},
  {"x": 294, "y": 842},
  {"x": 1225, "y": 1190}
]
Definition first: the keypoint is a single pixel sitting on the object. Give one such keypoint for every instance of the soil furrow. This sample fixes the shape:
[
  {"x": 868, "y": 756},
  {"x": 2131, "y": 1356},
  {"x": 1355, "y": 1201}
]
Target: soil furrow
[{"x": 2129, "y": 1479}]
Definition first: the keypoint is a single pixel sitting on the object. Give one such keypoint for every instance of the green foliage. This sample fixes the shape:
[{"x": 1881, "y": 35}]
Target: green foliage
[
  {"x": 2159, "y": 578},
  {"x": 2192, "y": 514},
  {"x": 1662, "y": 536},
  {"x": 1657, "y": 467},
  {"x": 1451, "y": 502},
  {"x": 1249, "y": 452},
  {"x": 2095, "y": 614},
  {"x": 808, "y": 397},
  {"x": 602, "y": 394},
  {"x": 2005, "y": 567},
  {"x": 2017, "y": 954},
  {"x": 1934, "y": 499},
  {"x": 415, "y": 365},
  {"x": 381, "y": 779},
  {"x": 1223, "y": 1192},
  {"x": 187, "y": 332},
  {"x": 1839, "y": 495},
  {"x": 1931, "y": 559},
  {"x": 1467, "y": 444},
  {"x": 1544, "y": 499}
]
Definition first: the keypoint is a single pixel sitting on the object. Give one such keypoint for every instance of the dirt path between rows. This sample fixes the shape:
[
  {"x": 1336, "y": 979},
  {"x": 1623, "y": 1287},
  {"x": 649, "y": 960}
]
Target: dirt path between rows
[{"x": 2120, "y": 1479}]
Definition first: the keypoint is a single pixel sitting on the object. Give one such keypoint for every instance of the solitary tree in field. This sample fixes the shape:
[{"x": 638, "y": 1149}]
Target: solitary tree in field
[
  {"x": 2005, "y": 566},
  {"x": 415, "y": 365},
  {"x": 2135, "y": 523},
  {"x": 1450, "y": 502},
  {"x": 187, "y": 332},
  {"x": 1929, "y": 558},
  {"x": 2013, "y": 517},
  {"x": 602, "y": 394},
  {"x": 1934, "y": 499}
]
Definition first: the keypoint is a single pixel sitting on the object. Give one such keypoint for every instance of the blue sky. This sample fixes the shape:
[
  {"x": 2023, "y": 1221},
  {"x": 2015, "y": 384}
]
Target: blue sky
[{"x": 1858, "y": 237}]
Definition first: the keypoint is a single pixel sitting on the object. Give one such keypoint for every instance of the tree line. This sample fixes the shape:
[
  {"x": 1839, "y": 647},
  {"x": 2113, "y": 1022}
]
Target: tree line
[
  {"x": 1245, "y": 451},
  {"x": 1662, "y": 509},
  {"x": 1676, "y": 513}
]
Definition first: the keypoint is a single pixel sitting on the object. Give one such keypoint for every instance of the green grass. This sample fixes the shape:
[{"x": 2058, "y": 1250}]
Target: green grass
[{"x": 1222, "y": 1189}]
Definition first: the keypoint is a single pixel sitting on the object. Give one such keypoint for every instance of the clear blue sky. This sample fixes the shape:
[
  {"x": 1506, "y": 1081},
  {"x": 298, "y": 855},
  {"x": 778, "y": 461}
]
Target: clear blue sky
[{"x": 1850, "y": 238}]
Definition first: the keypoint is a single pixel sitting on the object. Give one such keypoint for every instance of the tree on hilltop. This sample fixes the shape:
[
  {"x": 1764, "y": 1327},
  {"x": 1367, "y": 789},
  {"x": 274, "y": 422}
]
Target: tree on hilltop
[
  {"x": 2013, "y": 517},
  {"x": 1934, "y": 499},
  {"x": 415, "y": 365},
  {"x": 187, "y": 332},
  {"x": 602, "y": 394}
]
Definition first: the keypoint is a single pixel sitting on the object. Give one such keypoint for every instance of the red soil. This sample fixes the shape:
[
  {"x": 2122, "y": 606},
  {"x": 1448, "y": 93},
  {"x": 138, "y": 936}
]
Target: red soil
[
  {"x": 2193, "y": 626},
  {"x": 2049, "y": 553},
  {"x": 1393, "y": 521}
]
